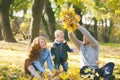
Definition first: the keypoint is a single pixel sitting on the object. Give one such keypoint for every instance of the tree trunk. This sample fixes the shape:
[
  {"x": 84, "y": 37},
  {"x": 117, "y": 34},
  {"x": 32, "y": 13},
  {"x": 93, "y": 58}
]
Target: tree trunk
[
  {"x": 105, "y": 33},
  {"x": 79, "y": 12},
  {"x": 88, "y": 25},
  {"x": 1, "y": 37},
  {"x": 110, "y": 28},
  {"x": 51, "y": 18},
  {"x": 7, "y": 33},
  {"x": 66, "y": 35},
  {"x": 77, "y": 32},
  {"x": 108, "y": 33},
  {"x": 95, "y": 28},
  {"x": 37, "y": 9},
  {"x": 46, "y": 27}
]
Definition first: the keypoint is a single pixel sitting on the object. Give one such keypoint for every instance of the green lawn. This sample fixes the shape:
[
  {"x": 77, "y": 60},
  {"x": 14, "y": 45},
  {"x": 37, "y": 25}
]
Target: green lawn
[{"x": 12, "y": 57}]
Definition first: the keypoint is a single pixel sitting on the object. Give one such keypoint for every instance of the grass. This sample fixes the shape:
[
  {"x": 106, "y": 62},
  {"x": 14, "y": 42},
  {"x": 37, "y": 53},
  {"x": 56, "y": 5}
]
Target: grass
[
  {"x": 12, "y": 57},
  {"x": 110, "y": 44}
]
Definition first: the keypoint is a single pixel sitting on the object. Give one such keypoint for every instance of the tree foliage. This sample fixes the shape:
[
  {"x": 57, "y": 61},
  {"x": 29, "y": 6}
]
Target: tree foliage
[
  {"x": 98, "y": 9},
  {"x": 19, "y": 5}
]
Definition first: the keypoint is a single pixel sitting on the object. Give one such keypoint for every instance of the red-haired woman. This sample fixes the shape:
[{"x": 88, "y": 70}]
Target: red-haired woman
[{"x": 37, "y": 55}]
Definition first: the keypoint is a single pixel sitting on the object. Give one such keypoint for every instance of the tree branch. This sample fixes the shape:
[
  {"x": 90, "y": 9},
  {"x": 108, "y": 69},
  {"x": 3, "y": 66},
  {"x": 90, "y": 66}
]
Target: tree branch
[{"x": 18, "y": 4}]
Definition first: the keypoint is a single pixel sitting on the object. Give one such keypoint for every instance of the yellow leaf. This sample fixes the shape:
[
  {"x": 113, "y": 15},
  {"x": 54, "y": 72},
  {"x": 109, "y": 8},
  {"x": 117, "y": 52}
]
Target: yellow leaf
[
  {"x": 70, "y": 18},
  {"x": 87, "y": 70},
  {"x": 64, "y": 76}
]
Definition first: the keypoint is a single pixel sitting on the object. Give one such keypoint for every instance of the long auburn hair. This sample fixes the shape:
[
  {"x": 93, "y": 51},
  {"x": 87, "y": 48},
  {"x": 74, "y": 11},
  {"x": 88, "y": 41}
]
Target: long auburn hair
[{"x": 33, "y": 53}]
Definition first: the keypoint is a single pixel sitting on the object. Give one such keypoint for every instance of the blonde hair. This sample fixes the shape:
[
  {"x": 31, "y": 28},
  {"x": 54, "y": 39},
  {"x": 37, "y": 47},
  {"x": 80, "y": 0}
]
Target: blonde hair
[{"x": 58, "y": 33}]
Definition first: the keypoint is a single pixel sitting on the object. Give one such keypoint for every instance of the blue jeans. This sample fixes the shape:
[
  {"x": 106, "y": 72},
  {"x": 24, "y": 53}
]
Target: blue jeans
[
  {"x": 63, "y": 63},
  {"x": 104, "y": 72}
]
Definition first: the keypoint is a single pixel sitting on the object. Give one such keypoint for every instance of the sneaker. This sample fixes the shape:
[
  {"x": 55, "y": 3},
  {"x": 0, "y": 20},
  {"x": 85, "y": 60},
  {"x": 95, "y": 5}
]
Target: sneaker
[{"x": 111, "y": 77}]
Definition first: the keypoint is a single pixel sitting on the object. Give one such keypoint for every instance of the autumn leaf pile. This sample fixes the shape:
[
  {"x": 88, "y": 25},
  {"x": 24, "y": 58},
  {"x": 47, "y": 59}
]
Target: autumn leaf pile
[{"x": 70, "y": 19}]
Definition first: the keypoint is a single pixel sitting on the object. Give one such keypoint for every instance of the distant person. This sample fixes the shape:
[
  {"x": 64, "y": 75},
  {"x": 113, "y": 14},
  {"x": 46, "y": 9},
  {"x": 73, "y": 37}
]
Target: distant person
[
  {"x": 38, "y": 54},
  {"x": 59, "y": 51},
  {"x": 89, "y": 53}
]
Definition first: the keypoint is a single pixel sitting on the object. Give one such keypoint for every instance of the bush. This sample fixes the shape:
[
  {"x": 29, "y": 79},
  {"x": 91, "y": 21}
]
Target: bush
[{"x": 24, "y": 27}]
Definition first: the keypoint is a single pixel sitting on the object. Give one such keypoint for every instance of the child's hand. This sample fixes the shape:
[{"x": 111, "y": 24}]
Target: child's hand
[
  {"x": 53, "y": 57},
  {"x": 76, "y": 50}
]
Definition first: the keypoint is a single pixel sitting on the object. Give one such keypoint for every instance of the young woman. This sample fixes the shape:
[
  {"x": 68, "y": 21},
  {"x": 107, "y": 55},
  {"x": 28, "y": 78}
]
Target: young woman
[{"x": 37, "y": 55}]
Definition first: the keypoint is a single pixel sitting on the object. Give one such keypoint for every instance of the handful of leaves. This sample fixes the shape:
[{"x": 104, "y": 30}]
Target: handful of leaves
[
  {"x": 70, "y": 18},
  {"x": 87, "y": 70}
]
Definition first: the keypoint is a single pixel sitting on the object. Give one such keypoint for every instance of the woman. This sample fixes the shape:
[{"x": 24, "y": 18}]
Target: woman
[{"x": 37, "y": 55}]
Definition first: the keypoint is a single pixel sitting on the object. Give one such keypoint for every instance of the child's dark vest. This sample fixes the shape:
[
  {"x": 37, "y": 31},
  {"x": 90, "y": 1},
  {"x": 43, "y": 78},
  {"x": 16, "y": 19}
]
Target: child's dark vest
[{"x": 57, "y": 52}]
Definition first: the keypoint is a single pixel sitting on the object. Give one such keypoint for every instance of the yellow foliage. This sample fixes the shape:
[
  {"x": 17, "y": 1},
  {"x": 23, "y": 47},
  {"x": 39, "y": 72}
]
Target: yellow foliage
[
  {"x": 64, "y": 76},
  {"x": 71, "y": 19},
  {"x": 87, "y": 70},
  {"x": 1, "y": 77},
  {"x": 11, "y": 67},
  {"x": 74, "y": 73},
  {"x": 35, "y": 78},
  {"x": 23, "y": 78},
  {"x": 117, "y": 12}
]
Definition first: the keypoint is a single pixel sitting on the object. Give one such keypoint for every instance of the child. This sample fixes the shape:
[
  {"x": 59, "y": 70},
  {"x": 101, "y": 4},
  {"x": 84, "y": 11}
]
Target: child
[
  {"x": 38, "y": 55},
  {"x": 59, "y": 51}
]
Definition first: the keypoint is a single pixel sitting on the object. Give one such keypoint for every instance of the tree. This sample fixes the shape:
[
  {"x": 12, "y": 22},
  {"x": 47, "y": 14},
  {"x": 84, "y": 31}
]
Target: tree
[
  {"x": 95, "y": 28},
  {"x": 106, "y": 32},
  {"x": 79, "y": 9},
  {"x": 111, "y": 9},
  {"x": 1, "y": 38},
  {"x": 79, "y": 12},
  {"x": 46, "y": 26},
  {"x": 37, "y": 8},
  {"x": 5, "y": 23},
  {"x": 51, "y": 19},
  {"x": 107, "y": 11}
]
